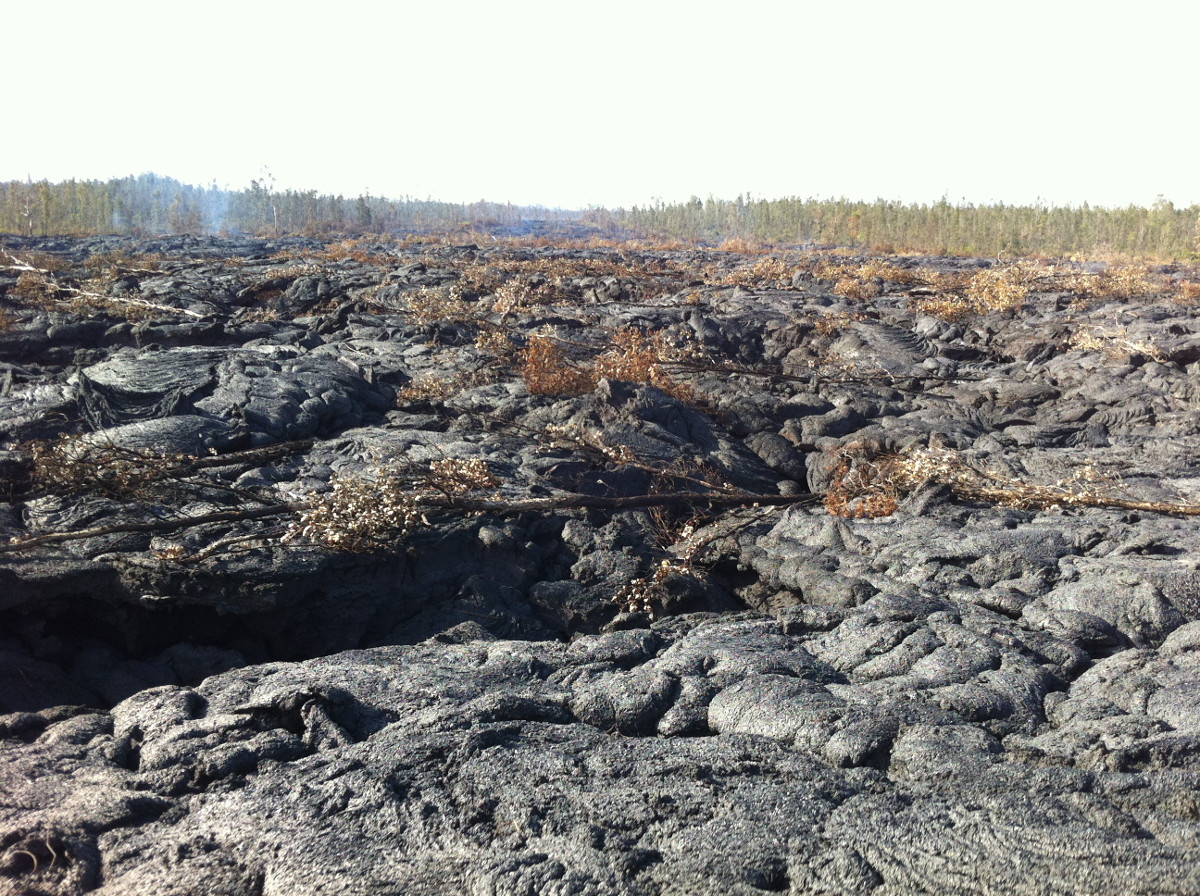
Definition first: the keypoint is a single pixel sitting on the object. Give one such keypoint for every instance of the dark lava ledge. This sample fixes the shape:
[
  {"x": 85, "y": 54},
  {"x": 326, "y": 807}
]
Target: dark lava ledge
[{"x": 956, "y": 698}]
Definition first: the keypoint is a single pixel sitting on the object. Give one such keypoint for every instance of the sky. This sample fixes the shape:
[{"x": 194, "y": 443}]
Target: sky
[{"x": 617, "y": 103}]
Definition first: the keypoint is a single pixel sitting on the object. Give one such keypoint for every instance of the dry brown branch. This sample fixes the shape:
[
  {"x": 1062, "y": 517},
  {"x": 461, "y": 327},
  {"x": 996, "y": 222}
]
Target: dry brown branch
[{"x": 424, "y": 503}]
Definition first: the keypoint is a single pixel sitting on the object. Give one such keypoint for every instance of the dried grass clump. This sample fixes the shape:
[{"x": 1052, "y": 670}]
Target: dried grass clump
[
  {"x": 869, "y": 484},
  {"x": 427, "y": 389},
  {"x": 1113, "y": 342},
  {"x": 950, "y": 308}
]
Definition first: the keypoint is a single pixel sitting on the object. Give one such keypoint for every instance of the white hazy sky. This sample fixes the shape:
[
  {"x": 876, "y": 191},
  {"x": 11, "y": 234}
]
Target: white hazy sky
[{"x": 615, "y": 103}]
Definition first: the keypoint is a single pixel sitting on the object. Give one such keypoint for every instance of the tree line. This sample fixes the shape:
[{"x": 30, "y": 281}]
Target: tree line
[
  {"x": 152, "y": 204},
  {"x": 1161, "y": 231}
]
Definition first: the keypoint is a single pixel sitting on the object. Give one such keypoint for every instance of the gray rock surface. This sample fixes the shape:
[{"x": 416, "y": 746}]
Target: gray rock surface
[{"x": 955, "y": 697}]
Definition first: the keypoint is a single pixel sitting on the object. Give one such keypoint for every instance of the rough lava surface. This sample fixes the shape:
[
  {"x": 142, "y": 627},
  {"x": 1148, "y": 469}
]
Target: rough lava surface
[{"x": 956, "y": 697}]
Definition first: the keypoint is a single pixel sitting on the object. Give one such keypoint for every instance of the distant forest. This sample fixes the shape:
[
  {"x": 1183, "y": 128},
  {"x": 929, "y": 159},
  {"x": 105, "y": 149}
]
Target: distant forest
[{"x": 153, "y": 204}]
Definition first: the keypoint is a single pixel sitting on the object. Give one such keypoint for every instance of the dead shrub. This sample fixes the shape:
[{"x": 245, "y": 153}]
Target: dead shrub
[
  {"x": 631, "y": 358},
  {"x": 862, "y": 486},
  {"x": 357, "y": 250},
  {"x": 634, "y": 357},
  {"x": 546, "y": 370},
  {"x": 111, "y": 265},
  {"x": 999, "y": 288},
  {"x": 1187, "y": 292},
  {"x": 856, "y": 288},
  {"x": 36, "y": 289},
  {"x": 431, "y": 305},
  {"x": 830, "y": 325},
  {"x": 648, "y": 594},
  {"x": 1117, "y": 281},
  {"x": 740, "y": 245},
  {"x": 362, "y": 514},
  {"x": 497, "y": 344},
  {"x": 766, "y": 273},
  {"x": 426, "y": 390},
  {"x": 76, "y": 464}
]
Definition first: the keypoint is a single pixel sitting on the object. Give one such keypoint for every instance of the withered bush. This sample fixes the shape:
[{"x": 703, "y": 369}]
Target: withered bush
[
  {"x": 740, "y": 245},
  {"x": 110, "y": 265},
  {"x": 999, "y": 289},
  {"x": 766, "y": 273},
  {"x": 862, "y": 486},
  {"x": 952, "y": 296},
  {"x": 948, "y": 307},
  {"x": 546, "y": 370},
  {"x": 361, "y": 514},
  {"x": 633, "y": 357},
  {"x": 856, "y": 288},
  {"x": 36, "y": 289},
  {"x": 75, "y": 464},
  {"x": 431, "y": 305}
]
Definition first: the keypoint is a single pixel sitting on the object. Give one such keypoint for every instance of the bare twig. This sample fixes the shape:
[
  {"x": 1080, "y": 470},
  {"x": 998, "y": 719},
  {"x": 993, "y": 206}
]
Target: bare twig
[{"x": 165, "y": 525}]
